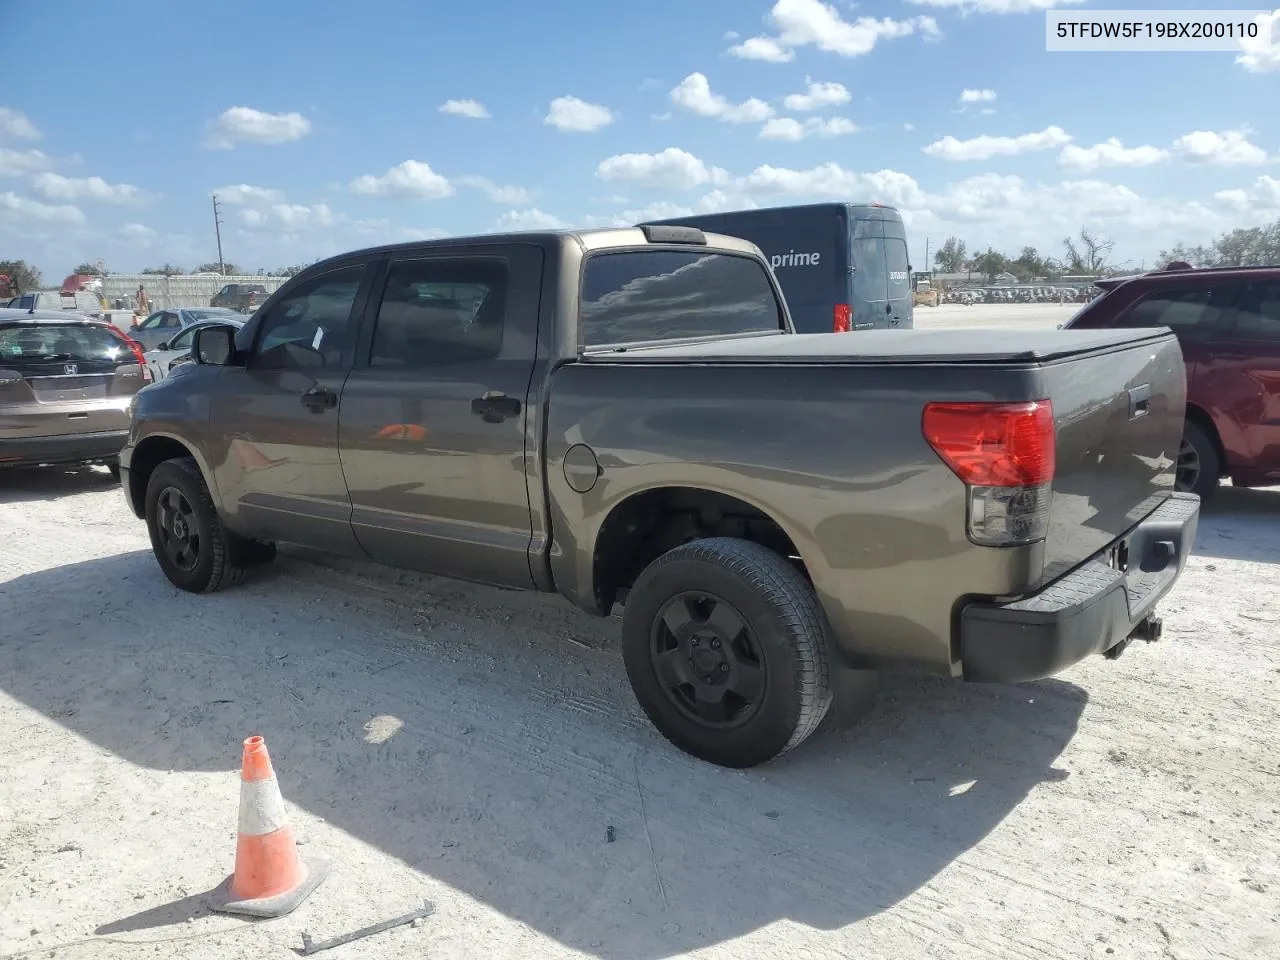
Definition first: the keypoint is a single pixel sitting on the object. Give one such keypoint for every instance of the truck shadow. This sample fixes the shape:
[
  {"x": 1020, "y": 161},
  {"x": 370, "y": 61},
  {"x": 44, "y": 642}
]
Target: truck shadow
[
  {"x": 28, "y": 484},
  {"x": 1240, "y": 524},
  {"x": 518, "y": 770}
]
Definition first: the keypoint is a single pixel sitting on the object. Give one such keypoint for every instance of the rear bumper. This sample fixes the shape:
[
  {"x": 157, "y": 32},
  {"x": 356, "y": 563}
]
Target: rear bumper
[
  {"x": 1090, "y": 610},
  {"x": 71, "y": 448}
]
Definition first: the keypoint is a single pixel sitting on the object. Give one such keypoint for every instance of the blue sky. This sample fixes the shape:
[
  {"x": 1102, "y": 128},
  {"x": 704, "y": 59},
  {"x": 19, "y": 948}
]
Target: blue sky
[{"x": 321, "y": 124}]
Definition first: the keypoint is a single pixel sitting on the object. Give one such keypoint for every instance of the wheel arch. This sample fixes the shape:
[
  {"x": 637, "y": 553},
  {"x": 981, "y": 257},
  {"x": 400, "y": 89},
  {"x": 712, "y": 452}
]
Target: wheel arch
[
  {"x": 147, "y": 454},
  {"x": 1202, "y": 419}
]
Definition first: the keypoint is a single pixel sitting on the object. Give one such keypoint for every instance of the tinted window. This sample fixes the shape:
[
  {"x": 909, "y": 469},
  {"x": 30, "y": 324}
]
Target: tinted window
[
  {"x": 313, "y": 325},
  {"x": 667, "y": 294},
  {"x": 870, "y": 269},
  {"x": 440, "y": 311},
  {"x": 183, "y": 340},
  {"x": 57, "y": 344},
  {"x": 898, "y": 268},
  {"x": 1191, "y": 312},
  {"x": 1258, "y": 312}
]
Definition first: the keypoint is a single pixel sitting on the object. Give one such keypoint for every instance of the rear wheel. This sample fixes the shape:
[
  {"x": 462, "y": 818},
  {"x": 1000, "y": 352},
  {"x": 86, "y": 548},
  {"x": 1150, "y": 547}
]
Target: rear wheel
[
  {"x": 725, "y": 645},
  {"x": 187, "y": 537},
  {"x": 113, "y": 468},
  {"x": 1199, "y": 466}
]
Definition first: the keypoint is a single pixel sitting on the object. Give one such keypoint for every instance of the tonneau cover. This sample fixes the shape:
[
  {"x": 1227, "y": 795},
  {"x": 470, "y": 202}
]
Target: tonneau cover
[{"x": 961, "y": 345}]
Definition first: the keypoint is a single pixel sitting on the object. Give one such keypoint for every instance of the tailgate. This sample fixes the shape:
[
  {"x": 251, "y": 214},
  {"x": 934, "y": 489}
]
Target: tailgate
[{"x": 1118, "y": 414}]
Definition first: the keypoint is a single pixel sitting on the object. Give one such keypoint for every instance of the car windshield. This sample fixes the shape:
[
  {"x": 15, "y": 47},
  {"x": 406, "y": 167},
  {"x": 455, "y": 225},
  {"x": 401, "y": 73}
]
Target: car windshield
[
  {"x": 60, "y": 343},
  {"x": 206, "y": 313}
]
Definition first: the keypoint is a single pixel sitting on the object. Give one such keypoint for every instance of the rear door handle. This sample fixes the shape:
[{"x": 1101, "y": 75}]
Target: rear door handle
[
  {"x": 319, "y": 398},
  {"x": 495, "y": 406},
  {"x": 1139, "y": 401}
]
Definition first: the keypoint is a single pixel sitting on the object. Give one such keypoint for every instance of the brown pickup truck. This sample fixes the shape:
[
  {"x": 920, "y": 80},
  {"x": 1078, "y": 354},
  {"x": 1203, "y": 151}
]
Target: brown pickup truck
[{"x": 627, "y": 416}]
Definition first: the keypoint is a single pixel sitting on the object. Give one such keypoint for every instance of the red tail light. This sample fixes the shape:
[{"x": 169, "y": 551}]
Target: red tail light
[
  {"x": 136, "y": 348},
  {"x": 1004, "y": 453},
  {"x": 842, "y": 322},
  {"x": 994, "y": 444}
]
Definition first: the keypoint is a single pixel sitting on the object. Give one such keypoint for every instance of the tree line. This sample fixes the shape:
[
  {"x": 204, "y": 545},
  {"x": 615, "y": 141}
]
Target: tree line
[
  {"x": 27, "y": 276},
  {"x": 1086, "y": 254}
]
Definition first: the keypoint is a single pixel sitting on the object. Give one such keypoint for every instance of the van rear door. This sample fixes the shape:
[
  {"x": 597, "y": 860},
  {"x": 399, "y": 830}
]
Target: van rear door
[{"x": 881, "y": 275}]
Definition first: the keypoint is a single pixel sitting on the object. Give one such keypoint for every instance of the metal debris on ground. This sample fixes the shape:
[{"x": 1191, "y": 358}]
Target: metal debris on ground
[{"x": 310, "y": 946}]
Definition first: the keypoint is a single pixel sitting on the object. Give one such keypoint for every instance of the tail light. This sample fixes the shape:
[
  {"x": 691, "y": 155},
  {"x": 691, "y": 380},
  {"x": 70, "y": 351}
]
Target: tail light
[
  {"x": 1004, "y": 453},
  {"x": 842, "y": 322},
  {"x": 138, "y": 358}
]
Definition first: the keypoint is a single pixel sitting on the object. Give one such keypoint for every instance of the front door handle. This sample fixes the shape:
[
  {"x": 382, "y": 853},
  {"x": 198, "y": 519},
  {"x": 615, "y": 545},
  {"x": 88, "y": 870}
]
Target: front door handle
[
  {"x": 495, "y": 406},
  {"x": 319, "y": 398}
]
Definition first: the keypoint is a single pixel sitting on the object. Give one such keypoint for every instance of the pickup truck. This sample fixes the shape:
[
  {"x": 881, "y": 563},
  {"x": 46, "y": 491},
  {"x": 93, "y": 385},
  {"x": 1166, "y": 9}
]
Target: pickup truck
[{"x": 627, "y": 417}]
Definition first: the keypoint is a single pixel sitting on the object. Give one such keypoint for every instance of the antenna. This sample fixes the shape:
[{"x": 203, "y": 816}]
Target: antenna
[{"x": 217, "y": 231}]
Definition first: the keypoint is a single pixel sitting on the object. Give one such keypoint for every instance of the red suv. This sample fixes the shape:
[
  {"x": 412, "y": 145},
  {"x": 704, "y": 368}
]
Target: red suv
[{"x": 1228, "y": 322}]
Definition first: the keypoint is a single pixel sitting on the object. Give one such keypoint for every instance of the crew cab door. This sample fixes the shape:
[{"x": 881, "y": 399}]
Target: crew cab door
[
  {"x": 1244, "y": 376},
  {"x": 434, "y": 431},
  {"x": 273, "y": 424}
]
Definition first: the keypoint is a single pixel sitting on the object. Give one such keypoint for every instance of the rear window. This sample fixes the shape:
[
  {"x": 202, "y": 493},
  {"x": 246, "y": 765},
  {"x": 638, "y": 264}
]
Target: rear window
[
  {"x": 58, "y": 343},
  {"x": 646, "y": 295}
]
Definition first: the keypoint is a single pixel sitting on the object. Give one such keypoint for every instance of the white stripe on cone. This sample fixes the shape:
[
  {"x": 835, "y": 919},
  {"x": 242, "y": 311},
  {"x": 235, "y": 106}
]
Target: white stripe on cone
[{"x": 261, "y": 807}]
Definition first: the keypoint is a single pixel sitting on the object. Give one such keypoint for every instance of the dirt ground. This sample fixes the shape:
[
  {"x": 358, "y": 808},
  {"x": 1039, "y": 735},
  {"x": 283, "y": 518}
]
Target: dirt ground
[{"x": 473, "y": 747}]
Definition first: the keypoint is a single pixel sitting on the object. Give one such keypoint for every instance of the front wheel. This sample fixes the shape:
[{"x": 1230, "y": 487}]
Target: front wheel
[
  {"x": 725, "y": 646},
  {"x": 188, "y": 539}
]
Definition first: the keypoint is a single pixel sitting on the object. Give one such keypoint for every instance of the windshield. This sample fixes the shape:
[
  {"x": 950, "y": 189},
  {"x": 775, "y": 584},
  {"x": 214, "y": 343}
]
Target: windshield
[
  {"x": 671, "y": 294},
  {"x": 54, "y": 343}
]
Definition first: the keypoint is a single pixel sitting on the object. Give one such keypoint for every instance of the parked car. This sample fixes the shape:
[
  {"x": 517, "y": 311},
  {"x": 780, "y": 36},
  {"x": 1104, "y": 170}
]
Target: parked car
[
  {"x": 240, "y": 297},
  {"x": 629, "y": 416},
  {"x": 171, "y": 353},
  {"x": 163, "y": 325},
  {"x": 65, "y": 387},
  {"x": 1228, "y": 323},
  {"x": 83, "y": 302}
]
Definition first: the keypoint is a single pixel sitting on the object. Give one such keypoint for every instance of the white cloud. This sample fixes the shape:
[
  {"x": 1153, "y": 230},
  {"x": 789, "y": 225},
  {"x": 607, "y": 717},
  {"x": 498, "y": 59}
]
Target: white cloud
[
  {"x": 532, "y": 219},
  {"x": 465, "y": 108},
  {"x": 1262, "y": 53},
  {"x": 410, "y": 180},
  {"x": 18, "y": 209},
  {"x": 136, "y": 231},
  {"x": 516, "y": 196},
  {"x": 801, "y": 23},
  {"x": 762, "y": 48},
  {"x": 53, "y": 186},
  {"x": 15, "y": 163},
  {"x": 977, "y": 96},
  {"x": 287, "y": 218},
  {"x": 1230, "y": 148},
  {"x": 1260, "y": 200},
  {"x": 694, "y": 94},
  {"x": 908, "y": 127},
  {"x": 830, "y": 180},
  {"x": 985, "y": 147},
  {"x": 817, "y": 96},
  {"x": 15, "y": 125},
  {"x": 572, "y": 115},
  {"x": 672, "y": 169},
  {"x": 1109, "y": 153},
  {"x": 787, "y": 128},
  {"x": 243, "y": 195},
  {"x": 661, "y": 117},
  {"x": 246, "y": 125},
  {"x": 967, "y": 7}
]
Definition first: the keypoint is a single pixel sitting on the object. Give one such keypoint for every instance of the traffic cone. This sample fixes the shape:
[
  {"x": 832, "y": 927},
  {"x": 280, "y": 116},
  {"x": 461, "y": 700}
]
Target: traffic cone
[{"x": 270, "y": 878}]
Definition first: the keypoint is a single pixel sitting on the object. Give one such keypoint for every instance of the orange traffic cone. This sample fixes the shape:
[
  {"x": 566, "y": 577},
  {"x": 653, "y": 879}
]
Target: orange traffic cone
[{"x": 270, "y": 878}]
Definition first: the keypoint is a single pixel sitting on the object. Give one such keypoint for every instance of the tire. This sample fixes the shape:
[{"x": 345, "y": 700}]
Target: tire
[
  {"x": 751, "y": 625},
  {"x": 113, "y": 468},
  {"x": 197, "y": 553},
  {"x": 1199, "y": 466}
]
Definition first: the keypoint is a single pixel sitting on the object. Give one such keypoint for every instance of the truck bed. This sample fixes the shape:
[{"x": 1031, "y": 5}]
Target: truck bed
[{"x": 966, "y": 346}]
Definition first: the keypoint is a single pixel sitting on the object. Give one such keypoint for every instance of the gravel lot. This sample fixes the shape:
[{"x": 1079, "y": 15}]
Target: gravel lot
[{"x": 472, "y": 747}]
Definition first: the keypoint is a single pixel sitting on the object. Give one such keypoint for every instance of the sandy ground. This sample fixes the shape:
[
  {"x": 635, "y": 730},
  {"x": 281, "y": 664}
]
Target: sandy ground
[{"x": 473, "y": 747}]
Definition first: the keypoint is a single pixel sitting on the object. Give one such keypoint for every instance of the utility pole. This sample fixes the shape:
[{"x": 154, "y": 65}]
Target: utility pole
[
  {"x": 926, "y": 254},
  {"x": 217, "y": 230}
]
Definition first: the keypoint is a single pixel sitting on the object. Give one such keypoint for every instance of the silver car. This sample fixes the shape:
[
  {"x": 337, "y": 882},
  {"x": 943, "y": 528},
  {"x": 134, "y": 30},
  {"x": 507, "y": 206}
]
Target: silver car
[{"x": 163, "y": 325}]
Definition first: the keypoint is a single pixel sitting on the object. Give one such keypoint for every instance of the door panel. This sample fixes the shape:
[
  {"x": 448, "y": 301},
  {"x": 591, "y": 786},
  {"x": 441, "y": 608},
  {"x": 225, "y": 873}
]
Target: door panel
[
  {"x": 434, "y": 429},
  {"x": 274, "y": 421},
  {"x": 1242, "y": 374}
]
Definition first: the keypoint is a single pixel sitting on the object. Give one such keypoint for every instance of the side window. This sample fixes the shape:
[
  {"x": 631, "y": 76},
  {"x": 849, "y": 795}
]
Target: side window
[
  {"x": 170, "y": 321},
  {"x": 633, "y": 297},
  {"x": 1194, "y": 312},
  {"x": 1258, "y": 312},
  {"x": 312, "y": 326},
  {"x": 183, "y": 340},
  {"x": 440, "y": 311}
]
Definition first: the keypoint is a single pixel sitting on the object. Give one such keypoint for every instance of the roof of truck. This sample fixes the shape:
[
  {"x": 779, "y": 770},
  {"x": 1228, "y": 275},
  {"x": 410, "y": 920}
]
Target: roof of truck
[{"x": 588, "y": 239}]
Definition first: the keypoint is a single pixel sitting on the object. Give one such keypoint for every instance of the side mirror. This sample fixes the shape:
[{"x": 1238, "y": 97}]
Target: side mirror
[
  {"x": 162, "y": 345},
  {"x": 213, "y": 346}
]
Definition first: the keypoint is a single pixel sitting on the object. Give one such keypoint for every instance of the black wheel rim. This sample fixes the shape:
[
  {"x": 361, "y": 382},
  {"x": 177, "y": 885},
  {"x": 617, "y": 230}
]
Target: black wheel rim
[
  {"x": 1188, "y": 470},
  {"x": 176, "y": 525},
  {"x": 708, "y": 660}
]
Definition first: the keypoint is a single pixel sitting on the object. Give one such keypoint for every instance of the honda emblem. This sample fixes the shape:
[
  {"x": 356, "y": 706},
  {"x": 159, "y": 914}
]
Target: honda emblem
[{"x": 70, "y": 368}]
